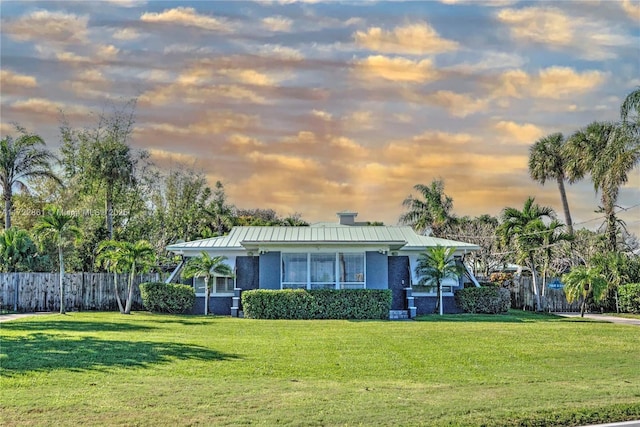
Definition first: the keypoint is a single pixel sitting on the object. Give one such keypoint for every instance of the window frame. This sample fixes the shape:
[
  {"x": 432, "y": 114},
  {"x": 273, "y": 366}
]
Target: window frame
[{"x": 336, "y": 283}]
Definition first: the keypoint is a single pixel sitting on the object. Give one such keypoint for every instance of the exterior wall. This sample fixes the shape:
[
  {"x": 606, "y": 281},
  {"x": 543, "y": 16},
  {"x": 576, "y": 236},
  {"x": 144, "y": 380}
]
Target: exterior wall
[
  {"x": 427, "y": 305},
  {"x": 217, "y": 305},
  {"x": 398, "y": 280},
  {"x": 269, "y": 270},
  {"x": 377, "y": 271}
]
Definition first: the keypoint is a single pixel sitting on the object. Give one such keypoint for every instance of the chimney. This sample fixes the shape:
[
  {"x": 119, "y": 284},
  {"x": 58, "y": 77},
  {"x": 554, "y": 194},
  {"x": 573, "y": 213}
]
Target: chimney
[{"x": 347, "y": 218}]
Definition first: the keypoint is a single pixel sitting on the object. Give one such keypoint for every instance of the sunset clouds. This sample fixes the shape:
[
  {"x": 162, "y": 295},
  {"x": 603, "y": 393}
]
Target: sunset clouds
[{"x": 316, "y": 107}]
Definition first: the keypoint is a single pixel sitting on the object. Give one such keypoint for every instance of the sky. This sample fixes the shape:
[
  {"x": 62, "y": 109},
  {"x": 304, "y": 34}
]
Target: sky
[{"x": 316, "y": 107}]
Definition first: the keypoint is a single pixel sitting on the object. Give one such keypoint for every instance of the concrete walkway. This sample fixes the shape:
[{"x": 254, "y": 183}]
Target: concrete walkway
[
  {"x": 8, "y": 317},
  {"x": 603, "y": 318}
]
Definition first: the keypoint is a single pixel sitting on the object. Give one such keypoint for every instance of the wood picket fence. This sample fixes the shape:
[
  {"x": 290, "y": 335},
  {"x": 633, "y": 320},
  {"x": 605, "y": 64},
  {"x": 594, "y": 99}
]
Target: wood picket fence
[
  {"x": 552, "y": 300},
  {"x": 83, "y": 291}
]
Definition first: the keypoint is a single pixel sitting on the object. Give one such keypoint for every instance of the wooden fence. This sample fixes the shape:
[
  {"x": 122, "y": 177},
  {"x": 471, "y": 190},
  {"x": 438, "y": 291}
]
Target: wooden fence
[
  {"x": 83, "y": 291},
  {"x": 553, "y": 300}
]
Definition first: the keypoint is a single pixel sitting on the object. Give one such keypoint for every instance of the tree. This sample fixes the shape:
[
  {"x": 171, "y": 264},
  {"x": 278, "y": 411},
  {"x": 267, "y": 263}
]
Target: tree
[
  {"x": 20, "y": 159},
  {"x": 607, "y": 152},
  {"x": 207, "y": 267},
  {"x": 551, "y": 235},
  {"x": 132, "y": 258},
  {"x": 585, "y": 282},
  {"x": 434, "y": 266},
  {"x": 524, "y": 229},
  {"x": 547, "y": 161},
  {"x": 431, "y": 210},
  {"x": 62, "y": 229},
  {"x": 110, "y": 258},
  {"x": 17, "y": 250},
  {"x": 219, "y": 211},
  {"x": 631, "y": 105}
]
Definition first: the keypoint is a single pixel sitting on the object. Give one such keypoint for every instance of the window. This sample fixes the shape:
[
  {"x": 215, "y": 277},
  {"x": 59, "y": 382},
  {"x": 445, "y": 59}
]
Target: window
[
  {"x": 323, "y": 270},
  {"x": 294, "y": 271},
  {"x": 431, "y": 290},
  {"x": 217, "y": 285},
  {"x": 351, "y": 271}
]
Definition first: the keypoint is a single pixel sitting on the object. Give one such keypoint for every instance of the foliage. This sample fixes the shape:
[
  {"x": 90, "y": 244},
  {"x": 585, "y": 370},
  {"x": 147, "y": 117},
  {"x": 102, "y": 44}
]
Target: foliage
[
  {"x": 584, "y": 282},
  {"x": 317, "y": 304},
  {"x": 127, "y": 257},
  {"x": 207, "y": 267},
  {"x": 430, "y": 211},
  {"x": 501, "y": 278},
  {"x": 22, "y": 158},
  {"x": 629, "y": 296},
  {"x": 436, "y": 265},
  {"x": 17, "y": 251},
  {"x": 485, "y": 299},
  {"x": 167, "y": 297}
]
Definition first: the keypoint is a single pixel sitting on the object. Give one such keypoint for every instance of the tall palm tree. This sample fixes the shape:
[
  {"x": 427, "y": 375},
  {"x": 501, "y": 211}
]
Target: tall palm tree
[
  {"x": 434, "y": 266},
  {"x": 430, "y": 211},
  {"x": 631, "y": 105},
  {"x": 547, "y": 161},
  {"x": 524, "y": 230},
  {"x": 584, "y": 282},
  {"x": 109, "y": 257},
  {"x": 20, "y": 159},
  {"x": 62, "y": 229},
  {"x": 551, "y": 236},
  {"x": 207, "y": 267},
  {"x": 607, "y": 152},
  {"x": 132, "y": 258}
]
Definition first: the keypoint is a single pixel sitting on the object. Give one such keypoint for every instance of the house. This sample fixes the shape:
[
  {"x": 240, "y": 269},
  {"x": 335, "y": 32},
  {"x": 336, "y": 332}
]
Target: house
[{"x": 342, "y": 255}]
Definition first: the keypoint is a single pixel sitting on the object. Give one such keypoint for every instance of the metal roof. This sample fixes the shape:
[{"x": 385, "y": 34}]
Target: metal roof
[{"x": 241, "y": 238}]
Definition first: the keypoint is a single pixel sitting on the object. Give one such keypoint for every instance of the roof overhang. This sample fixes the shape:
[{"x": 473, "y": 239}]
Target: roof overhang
[{"x": 254, "y": 245}]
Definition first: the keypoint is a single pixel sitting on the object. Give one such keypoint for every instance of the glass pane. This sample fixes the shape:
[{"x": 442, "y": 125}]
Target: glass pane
[
  {"x": 352, "y": 285},
  {"x": 323, "y": 268},
  {"x": 351, "y": 268},
  {"x": 294, "y": 286},
  {"x": 425, "y": 289},
  {"x": 224, "y": 285},
  {"x": 323, "y": 286},
  {"x": 198, "y": 285},
  {"x": 294, "y": 268}
]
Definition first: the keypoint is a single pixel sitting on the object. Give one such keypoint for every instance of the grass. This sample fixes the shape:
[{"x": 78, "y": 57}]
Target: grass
[{"x": 515, "y": 370}]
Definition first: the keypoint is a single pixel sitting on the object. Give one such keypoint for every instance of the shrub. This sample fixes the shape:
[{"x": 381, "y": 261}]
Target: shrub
[
  {"x": 486, "y": 299},
  {"x": 167, "y": 297},
  {"x": 317, "y": 304},
  {"x": 629, "y": 298}
]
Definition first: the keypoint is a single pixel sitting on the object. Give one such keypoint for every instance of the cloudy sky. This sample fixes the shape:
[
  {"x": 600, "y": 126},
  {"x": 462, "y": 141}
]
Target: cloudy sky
[{"x": 316, "y": 107}]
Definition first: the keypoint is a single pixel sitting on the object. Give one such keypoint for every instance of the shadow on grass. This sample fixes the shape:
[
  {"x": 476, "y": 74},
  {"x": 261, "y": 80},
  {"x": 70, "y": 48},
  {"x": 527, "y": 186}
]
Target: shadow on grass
[
  {"x": 75, "y": 326},
  {"x": 513, "y": 316},
  {"x": 45, "y": 352}
]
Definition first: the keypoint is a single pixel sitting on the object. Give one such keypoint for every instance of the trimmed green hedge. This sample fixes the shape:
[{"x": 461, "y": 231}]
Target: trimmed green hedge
[
  {"x": 317, "y": 304},
  {"x": 167, "y": 297},
  {"x": 629, "y": 298},
  {"x": 485, "y": 299}
]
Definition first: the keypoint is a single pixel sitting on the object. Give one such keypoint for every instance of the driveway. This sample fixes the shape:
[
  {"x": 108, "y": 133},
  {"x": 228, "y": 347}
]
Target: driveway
[
  {"x": 603, "y": 318},
  {"x": 8, "y": 317}
]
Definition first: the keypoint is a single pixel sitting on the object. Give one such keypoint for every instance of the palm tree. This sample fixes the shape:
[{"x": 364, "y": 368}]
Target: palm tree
[
  {"x": 62, "y": 229},
  {"x": 132, "y": 258},
  {"x": 524, "y": 229},
  {"x": 21, "y": 159},
  {"x": 17, "y": 250},
  {"x": 110, "y": 259},
  {"x": 607, "y": 152},
  {"x": 434, "y": 266},
  {"x": 431, "y": 211},
  {"x": 547, "y": 161},
  {"x": 551, "y": 236},
  {"x": 630, "y": 105},
  {"x": 584, "y": 282},
  {"x": 207, "y": 267}
]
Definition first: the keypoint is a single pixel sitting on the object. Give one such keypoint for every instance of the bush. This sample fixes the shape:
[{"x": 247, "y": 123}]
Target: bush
[
  {"x": 629, "y": 298},
  {"x": 317, "y": 304},
  {"x": 486, "y": 299},
  {"x": 167, "y": 297}
]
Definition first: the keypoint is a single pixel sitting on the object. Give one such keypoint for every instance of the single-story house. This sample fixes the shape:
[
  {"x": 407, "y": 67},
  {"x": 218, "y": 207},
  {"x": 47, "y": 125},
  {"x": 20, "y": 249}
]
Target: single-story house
[{"x": 341, "y": 255}]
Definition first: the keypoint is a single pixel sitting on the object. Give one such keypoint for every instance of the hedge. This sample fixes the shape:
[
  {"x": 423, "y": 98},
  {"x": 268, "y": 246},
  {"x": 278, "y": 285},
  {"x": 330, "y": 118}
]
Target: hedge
[
  {"x": 629, "y": 298},
  {"x": 485, "y": 299},
  {"x": 317, "y": 304},
  {"x": 167, "y": 297}
]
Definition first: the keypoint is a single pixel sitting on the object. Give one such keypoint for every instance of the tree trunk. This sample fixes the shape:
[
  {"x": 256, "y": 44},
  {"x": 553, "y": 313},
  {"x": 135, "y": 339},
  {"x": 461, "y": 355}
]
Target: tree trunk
[
  {"x": 536, "y": 292},
  {"x": 61, "y": 259},
  {"x": 438, "y": 308},
  {"x": 109, "y": 210},
  {"x": 565, "y": 205},
  {"x": 610, "y": 215},
  {"x": 127, "y": 309},
  {"x": 7, "y": 209},
  {"x": 115, "y": 285},
  {"x": 206, "y": 295},
  {"x": 583, "y": 307}
]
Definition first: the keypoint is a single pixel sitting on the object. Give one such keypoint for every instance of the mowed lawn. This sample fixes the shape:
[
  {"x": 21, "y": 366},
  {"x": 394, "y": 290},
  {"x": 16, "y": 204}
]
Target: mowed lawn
[{"x": 156, "y": 370}]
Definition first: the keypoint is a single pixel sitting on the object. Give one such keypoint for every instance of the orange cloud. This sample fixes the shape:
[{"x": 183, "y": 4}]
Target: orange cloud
[
  {"x": 412, "y": 39},
  {"x": 9, "y": 78},
  {"x": 396, "y": 69},
  {"x": 188, "y": 17}
]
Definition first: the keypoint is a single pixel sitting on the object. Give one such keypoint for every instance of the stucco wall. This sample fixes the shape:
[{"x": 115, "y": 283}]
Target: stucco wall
[
  {"x": 217, "y": 305},
  {"x": 426, "y": 305}
]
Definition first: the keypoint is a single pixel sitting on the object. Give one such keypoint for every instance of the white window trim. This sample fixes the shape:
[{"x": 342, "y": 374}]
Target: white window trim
[
  {"x": 212, "y": 288},
  {"x": 338, "y": 283}
]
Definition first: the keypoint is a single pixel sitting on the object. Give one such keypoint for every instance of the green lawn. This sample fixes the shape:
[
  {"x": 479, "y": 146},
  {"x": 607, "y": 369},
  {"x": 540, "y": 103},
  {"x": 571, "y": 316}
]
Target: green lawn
[{"x": 143, "y": 369}]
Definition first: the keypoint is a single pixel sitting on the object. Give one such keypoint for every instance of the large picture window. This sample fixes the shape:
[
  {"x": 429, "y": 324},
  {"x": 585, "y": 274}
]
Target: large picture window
[
  {"x": 323, "y": 270},
  {"x": 217, "y": 285}
]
